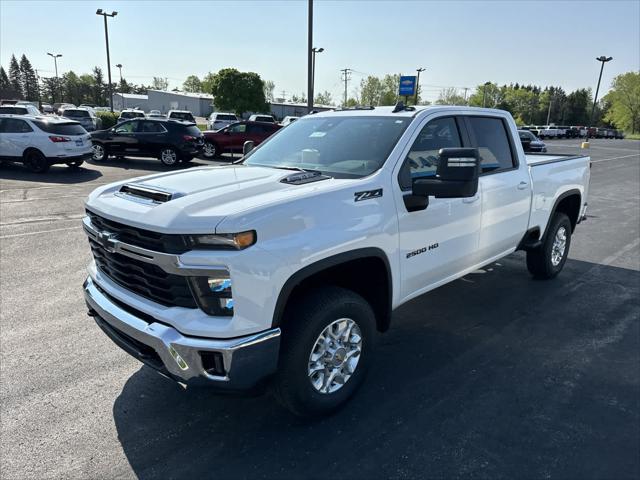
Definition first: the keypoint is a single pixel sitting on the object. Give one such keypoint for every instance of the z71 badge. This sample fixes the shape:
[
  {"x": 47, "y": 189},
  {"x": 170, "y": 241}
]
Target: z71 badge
[{"x": 368, "y": 195}]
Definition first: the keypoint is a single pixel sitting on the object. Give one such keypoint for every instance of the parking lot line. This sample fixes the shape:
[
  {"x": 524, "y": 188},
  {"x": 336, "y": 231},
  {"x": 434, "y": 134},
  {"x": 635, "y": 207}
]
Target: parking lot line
[
  {"x": 38, "y": 232},
  {"x": 616, "y": 158}
]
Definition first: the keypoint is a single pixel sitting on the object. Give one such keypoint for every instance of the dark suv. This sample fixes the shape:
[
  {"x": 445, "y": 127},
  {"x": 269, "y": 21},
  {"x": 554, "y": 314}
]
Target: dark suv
[{"x": 170, "y": 141}]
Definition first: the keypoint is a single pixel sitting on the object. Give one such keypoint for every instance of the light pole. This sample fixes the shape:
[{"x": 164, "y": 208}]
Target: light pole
[
  {"x": 119, "y": 65},
  {"x": 106, "y": 37},
  {"x": 314, "y": 50},
  {"x": 603, "y": 60},
  {"x": 418, "y": 84},
  {"x": 310, "y": 57},
  {"x": 55, "y": 62},
  {"x": 484, "y": 94}
]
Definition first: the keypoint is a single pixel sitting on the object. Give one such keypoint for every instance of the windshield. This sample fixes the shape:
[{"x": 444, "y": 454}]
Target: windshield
[
  {"x": 14, "y": 110},
  {"x": 342, "y": 147}
]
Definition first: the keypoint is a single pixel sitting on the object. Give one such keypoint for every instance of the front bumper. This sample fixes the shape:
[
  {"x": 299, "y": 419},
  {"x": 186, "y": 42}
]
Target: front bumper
[{"x": 245, "y": 360}]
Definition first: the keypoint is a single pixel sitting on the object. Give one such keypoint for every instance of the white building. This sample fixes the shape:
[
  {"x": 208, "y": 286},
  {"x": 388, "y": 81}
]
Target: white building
[
  {"x": 130, "y": 100},
  {"x": 200, "y": 104}
]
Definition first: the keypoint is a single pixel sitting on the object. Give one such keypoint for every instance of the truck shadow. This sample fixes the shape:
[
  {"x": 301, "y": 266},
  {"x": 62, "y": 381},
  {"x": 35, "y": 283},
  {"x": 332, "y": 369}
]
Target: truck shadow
[
  {"x": 56, "y": 174},
  {"x": 492, "y": 375}
]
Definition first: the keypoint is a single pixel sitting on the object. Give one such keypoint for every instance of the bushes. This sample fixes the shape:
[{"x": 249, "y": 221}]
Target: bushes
[{"x": 109, "y": 119}]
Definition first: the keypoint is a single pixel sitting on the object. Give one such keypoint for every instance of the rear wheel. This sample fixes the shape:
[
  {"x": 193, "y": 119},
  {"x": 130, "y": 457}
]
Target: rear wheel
[
  {"x": 35, "y": 161},
  {"x": 99, "y": 152},
  {"x": 548, "y": 260},
  {"x": 75, "y": 165},
  {"x": 328, "y": 340},
  {"x": 169, "y": 156}
]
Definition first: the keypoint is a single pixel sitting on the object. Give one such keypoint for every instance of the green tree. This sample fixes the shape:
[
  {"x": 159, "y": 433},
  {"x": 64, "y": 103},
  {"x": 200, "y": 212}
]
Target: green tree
[
  {"x": 299, "y": 99},
  {"x": 192, "y": 84},
  {"x": 324, "y": 98},
  {"x": 269, "y": 87},
  {"x": 71, "y": 87},
  {"x": 390, "y": 86},
  {"x": 30, "y": 86},
  {"x": 15, "y": 77},
  {"x": 6, "y": 89},
  {"x": 160, "y": 83},
  {"x": 624, "y": 99},
  {"x": 577, "y": 107},
  {"x": 450, "y": 96},
  {"x": 99, "y": 87},
  {"x": 489, "y": 95},
  {"x": 207, "y": 82},
  {"x": 371, "y": 90},
  {"x": 238, "y": 92}
]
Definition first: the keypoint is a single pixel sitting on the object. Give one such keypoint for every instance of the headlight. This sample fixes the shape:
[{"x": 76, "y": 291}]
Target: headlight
[{"x": 223, "y": 241}]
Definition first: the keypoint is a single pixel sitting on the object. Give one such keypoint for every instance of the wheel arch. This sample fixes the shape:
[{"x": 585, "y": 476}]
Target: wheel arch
[
  {"x": 569, "y": 203},
  {"x": 31, "y": 149},
  {"x": 365, "y": 271}
]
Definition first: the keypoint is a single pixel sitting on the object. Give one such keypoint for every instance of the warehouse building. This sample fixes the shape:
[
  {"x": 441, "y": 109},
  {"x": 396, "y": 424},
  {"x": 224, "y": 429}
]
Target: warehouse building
[
  {"x": 200, "y": 104},
  {"x": 130, "y": 100}
]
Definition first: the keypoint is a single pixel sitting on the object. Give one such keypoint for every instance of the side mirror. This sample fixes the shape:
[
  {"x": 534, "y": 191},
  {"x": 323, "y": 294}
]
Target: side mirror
[
  {"x": 247, "y": 147},
  {"x": 456, "y": 176}
]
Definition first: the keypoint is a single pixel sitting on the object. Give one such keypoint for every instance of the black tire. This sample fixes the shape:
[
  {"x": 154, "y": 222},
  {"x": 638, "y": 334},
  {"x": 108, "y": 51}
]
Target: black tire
[
  {"x": 540, "y": 262},
  {"x": 35, "y": 161},
  {"x": 100, "y": 152},
  {"x": 210, "y": 151},
  {"x": 305, "y": 320},
  {"x": 186, "y": 159},
  {"x": 75, "y": 165},
  {"x": 169, "y": 156}
]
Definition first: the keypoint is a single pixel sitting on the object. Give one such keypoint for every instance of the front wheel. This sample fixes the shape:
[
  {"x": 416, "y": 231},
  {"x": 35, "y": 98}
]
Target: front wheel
[
  {"x": 328, "y": 339},
  {"x": 169, "y": 157},
  {"x": 548, "y": 260},
  {"x": 210, "y": 150}
]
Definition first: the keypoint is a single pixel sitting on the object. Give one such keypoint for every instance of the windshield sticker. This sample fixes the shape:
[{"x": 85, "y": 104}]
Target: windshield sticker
[{"x": 317, "y": 134}]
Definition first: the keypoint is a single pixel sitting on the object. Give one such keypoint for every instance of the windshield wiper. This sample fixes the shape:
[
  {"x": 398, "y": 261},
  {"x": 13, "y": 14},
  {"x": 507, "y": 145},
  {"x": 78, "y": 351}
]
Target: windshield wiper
[{"x": 299, "y": 169}]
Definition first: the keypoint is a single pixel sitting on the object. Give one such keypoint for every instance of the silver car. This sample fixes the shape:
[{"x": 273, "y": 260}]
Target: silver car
[{"x": 86, "y": 117}]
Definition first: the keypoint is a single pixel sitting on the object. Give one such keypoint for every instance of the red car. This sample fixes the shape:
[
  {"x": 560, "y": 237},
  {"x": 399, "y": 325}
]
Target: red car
[{"x": 232, "y": 138}]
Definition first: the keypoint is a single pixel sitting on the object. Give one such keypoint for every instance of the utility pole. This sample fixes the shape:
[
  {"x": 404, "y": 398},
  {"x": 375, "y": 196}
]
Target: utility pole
[
  {"x": 604, "y": 60},
  {"x": 346, "y": 74},
  {"x": 418, "y": 84},
  {"x": 284, "y": 93},
  {"x": 484, "y": 94},
  {"x": 310, "y": 58},
  {"x": 549, "y": 110},
  {"x": 106, "y": 38},
  {"x": 313, "y": 71},
  {"x": 119, "y": 65},
  {"x": 55, "y": 62},
  {"x": 465, "y": 95}
]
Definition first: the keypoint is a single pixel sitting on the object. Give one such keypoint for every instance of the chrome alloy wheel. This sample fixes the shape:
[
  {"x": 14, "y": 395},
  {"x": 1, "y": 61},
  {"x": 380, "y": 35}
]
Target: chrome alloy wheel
[
  {"x": 209, "y": 150},
  {"x": 98, "y": 152},
  {"x": 335, "y": 355},
  {"x": 168, "y": 156},
  {"x": 559, "y": 246}
]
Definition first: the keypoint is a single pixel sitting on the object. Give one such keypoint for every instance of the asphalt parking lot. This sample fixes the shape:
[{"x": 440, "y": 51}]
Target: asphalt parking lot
[{"x": 494, "y": 375}]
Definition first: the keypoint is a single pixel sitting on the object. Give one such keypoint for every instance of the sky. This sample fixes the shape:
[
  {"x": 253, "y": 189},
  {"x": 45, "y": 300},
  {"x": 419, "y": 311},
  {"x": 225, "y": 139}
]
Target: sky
[{"x": 459, "y": 43}]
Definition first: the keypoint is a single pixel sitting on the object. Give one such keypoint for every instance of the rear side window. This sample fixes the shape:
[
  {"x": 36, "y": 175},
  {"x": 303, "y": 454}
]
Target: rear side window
[
  {"x": 150, "y": 127},
  {"x": 492, "y": 141},
  {"x": 193, "y": 130},
  {"x": 14, "y": 125},
  {"x": 60, "y": 128},
  {"x": 238, "y": 128}
]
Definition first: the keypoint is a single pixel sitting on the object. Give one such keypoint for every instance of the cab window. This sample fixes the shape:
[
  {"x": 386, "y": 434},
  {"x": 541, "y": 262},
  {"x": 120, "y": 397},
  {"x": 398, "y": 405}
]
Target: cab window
[
  {"x": 422, "y": 159},
  {"x": 490, "y": 137}
]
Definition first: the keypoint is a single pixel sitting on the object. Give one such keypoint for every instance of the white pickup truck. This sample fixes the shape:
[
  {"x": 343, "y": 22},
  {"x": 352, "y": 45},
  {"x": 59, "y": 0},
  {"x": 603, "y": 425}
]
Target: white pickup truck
[{"x": 282, "y": 269}]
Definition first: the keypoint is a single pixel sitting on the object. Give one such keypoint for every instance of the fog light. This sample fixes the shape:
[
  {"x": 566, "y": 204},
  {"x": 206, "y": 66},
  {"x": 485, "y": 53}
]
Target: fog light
[{"x": 219, "y": 285}]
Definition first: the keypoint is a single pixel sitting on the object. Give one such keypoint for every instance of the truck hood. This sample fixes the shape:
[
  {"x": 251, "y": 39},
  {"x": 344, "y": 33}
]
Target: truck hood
[{"x": 200, "y": 198}]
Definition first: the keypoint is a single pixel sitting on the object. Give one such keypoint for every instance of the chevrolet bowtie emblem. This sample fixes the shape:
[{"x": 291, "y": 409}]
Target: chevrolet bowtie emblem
[{"x": 107, "y": 240}]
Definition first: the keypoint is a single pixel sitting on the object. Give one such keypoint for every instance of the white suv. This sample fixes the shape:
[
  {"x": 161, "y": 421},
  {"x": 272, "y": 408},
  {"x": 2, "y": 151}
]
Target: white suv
[
  {"x": 218, "y": 120},
  {"x": 40, "y": 142}
]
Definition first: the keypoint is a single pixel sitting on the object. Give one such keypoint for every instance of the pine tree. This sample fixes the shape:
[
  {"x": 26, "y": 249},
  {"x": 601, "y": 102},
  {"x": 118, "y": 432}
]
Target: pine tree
[
  {"x": 15, "y": 77},
  {"x": 99, "y": 87},
  {"x": 4, "y": 80},
  {"x": 29, "y": 79}
]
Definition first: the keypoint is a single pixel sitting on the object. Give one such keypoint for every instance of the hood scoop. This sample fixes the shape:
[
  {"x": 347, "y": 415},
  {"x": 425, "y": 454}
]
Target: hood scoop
[
  {"x": 146, "y": 194},
  {"x": 302, "y": 178}
]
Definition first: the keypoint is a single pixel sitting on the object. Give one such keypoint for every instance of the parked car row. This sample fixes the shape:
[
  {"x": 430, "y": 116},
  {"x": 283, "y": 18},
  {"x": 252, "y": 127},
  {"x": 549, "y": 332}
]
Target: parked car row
[{"x": 563, "y": 131}]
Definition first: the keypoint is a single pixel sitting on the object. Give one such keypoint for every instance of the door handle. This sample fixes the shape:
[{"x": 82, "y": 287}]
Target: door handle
[
  {"x": 473, "y": 199},
  {"x": 522, "y": 185}
]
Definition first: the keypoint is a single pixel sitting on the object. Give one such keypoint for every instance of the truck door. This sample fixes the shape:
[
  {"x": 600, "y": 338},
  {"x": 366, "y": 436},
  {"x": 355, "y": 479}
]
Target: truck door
[
  {"x": 504, "y": 184},
  {"x": 440, "y": 240}
]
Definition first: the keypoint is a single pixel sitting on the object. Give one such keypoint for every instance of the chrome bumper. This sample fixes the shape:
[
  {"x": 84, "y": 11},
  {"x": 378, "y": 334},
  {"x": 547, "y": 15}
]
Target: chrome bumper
[{"x": 246, "y": 360}]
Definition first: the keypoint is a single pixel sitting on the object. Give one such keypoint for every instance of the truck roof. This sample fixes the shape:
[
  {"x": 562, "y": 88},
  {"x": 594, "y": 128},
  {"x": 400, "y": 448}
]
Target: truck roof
[{"x": 410, "y": 112}]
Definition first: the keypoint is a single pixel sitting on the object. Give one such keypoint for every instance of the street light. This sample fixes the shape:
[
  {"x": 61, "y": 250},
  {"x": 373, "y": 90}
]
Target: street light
[
  {"x": 119, "y": 65},
  {"x": 314, "y": 50},
  {"x": 55, "y": 61},
  {"x": 310, "y": 56},
  {"x": 418, "y": 83},
  {"x": 484, "y": 94},
  {"x": 106, "y": 37},
  {"x": 603, "y": 60}
]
